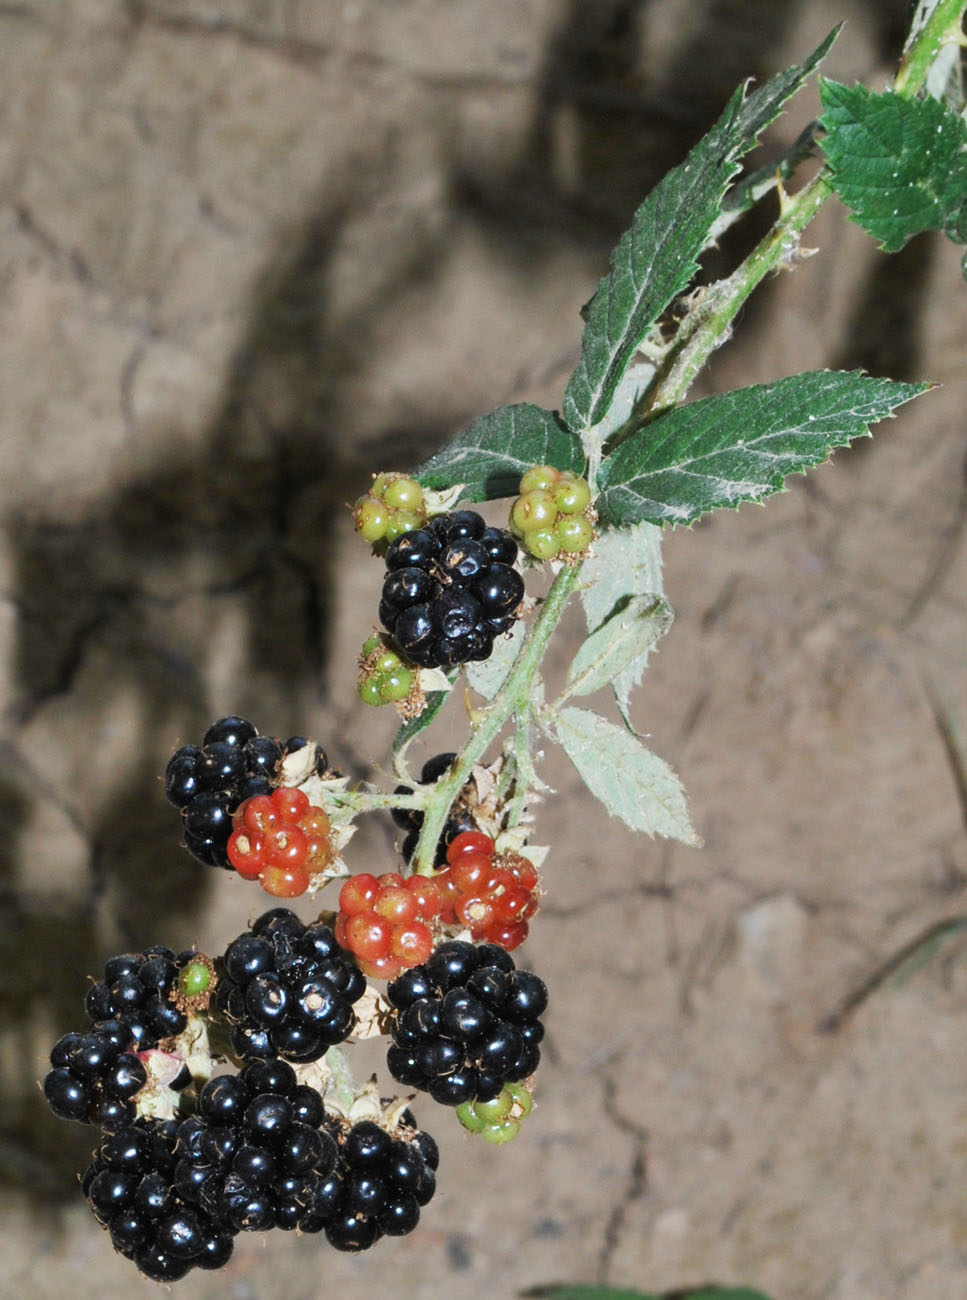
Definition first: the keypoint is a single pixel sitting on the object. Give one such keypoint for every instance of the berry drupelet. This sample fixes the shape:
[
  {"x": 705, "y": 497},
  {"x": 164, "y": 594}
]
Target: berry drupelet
[
  {"x": 287, "y": 989},
  {"x": 449, "y": 589},
  {"x": 465, "y": 1023},
  {"x": 208, "y": 782}
]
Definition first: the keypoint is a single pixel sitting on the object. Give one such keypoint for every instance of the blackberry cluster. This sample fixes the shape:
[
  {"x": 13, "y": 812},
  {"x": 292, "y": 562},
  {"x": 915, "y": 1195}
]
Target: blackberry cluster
[
  {"x": 131, "y": 1187},
  {"x": 208, "y": 783},
  {"x": 260, "y": 1153},
  {"x": 379, "y": 1185},
  {"x": 465, "y": 1023},
  {"x": 95, "y": 1074},
  {"x": 411, "y": 819},
  {"x": 254, "y": 1157},
  {"x": 449, "y": 589},
  {"x": 287, "y": 989}
]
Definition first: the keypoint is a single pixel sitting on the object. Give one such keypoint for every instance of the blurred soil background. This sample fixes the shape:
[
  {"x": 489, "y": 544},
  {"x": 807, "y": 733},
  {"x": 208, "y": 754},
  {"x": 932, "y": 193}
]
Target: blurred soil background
[{"x": 251, "y": 250}]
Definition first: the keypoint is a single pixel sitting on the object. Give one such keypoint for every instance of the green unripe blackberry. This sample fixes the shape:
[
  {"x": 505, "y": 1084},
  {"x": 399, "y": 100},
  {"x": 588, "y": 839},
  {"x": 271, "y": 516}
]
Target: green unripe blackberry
[
  {"x": 553, "y": 515},
  {"x": 393, "y": 505}
]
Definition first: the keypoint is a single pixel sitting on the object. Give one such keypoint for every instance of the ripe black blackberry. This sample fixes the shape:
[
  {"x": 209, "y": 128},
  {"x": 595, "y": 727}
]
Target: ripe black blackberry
[
  {"x": 379, "y": 1185},
  {"x": 465, "y": 1023},
  {"x": 208, "y": 783},
  {"x": 449, "y": 589},
  {"x": 411, "y": 819},
  {"x": 132, "y": 1189},
  {"x": 259, "y": 1150},
  {"x": 287, "y": 989},
  {"x": 96, "y": 1074}
]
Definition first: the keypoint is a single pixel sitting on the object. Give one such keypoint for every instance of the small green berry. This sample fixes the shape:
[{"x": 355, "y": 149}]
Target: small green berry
[
  {"x": 491, "y": 1112},
  {"x": 523, "y": 1098},
  {"x": 388, "y": 662},
  {"x": 572, "y": 495},
  {"x": 542, "y": 477},
  {"x": 542, "y": 544},
  {"x": 404, "y": 521},
  {"x": 369, "y": 691},
  {"x": 194, "y": 979},
  {"x": 380, "y": 483},
  {"x": 395, "y": 685},
  {"x": 371, "y": 644},
  {"x": 504, "y": 1131},
  {"x": 533, "y": 510},
  {"x": 404, "y": 494},
  {"x": 468, "y": 1117},
  {"x": 371, "y": 518},
  {"x": 574, "y": 533}
]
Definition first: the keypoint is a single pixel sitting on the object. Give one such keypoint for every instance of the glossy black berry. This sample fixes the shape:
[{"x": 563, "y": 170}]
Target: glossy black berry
[
  {"x": 463, "y": 1023},
  {"x": 449, "y": 589},
  {"x": 132, "y": 1012},
  {"x": 232, "y": 731},
  {"x": 458, "y": 524},
  {"x": 209, "y": 781},
  {"x": 135, "y": 1188},
  {"x": 287, "y": 989},
  {"x": 67, "y": 1096}
]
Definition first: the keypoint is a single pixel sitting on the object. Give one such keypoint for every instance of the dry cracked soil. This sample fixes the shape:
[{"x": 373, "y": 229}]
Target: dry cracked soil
[{"x": 253, "y": 249}]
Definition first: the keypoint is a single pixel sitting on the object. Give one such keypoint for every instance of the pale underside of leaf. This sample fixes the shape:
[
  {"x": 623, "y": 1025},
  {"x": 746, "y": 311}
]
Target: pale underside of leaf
[
  {"x": 632, "y": 782},
  {"x": 625, "y": 563},
  {"x": 618, "y": 644},
  {"x": 486, "y": 678}
]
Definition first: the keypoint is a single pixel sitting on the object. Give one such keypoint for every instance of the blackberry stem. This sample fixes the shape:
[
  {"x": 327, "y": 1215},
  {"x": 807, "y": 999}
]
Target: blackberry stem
[{"x": 512, "y": 700}]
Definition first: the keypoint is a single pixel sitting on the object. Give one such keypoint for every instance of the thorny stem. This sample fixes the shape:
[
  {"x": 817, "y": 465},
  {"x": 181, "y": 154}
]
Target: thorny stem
[
  {"x": 708, "y": 324},
  {"x": 512, "y": 699},
  {"x": 943, "y": 27}
]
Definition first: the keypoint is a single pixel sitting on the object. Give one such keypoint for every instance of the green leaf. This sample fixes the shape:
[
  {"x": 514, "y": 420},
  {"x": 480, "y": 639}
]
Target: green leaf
[
  {"x": 619, "y": 643},
  {"x": 740, "y": 446},
  {"x": 487, "y": 678},
  {"x": 632, "y": 782},
  {"x": 657, "y": 257},
  {"x": 625, "y": 563},
  {"x": 899, "y": 164},
  {"x": 719, "y": 1293},
  {"x": 492, "y": 454},
  {"x": 588, "y": 1293}
]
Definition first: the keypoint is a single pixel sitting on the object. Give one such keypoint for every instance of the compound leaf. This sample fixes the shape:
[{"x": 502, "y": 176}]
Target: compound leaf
[
  {"x": 899, "y": 164},
  {"x": 632, "y": 782},
  {"x": 490, "y": 456},
  {"x": 656, "y": 258},
  {"x": 740, "y": 446}
]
